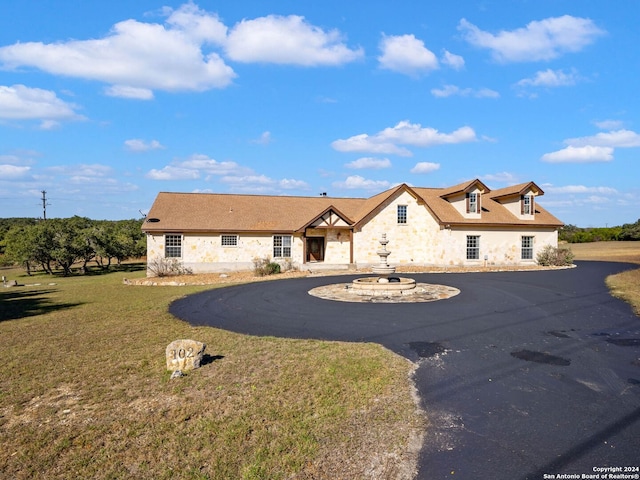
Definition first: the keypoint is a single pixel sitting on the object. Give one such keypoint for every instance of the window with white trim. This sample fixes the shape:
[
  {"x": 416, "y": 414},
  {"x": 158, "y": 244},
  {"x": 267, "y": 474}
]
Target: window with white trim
[
  {"x": 173, "y": 246},
  {"x": 473, "y": 247},
  {"x": 281, "y": 246},
  {"x": 473, "y": 203},
  {"x": 527, "y": 204},
  {"x": 527, "y": 248},
  {"x": 229, "y": 240},
  {"x": 402, "y": 214}
]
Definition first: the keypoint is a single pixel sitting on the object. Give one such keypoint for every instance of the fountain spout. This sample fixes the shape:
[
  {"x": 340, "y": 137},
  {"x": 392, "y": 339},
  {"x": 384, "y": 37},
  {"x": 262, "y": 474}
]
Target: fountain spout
[{"x": 382, "y": 269}]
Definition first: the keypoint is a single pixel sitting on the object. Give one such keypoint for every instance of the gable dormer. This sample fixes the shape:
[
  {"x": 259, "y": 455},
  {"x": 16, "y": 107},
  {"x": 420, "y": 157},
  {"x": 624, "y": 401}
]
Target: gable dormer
[
  {"x": 466, "y": 198},
  {"x": 520, "y": 199}
]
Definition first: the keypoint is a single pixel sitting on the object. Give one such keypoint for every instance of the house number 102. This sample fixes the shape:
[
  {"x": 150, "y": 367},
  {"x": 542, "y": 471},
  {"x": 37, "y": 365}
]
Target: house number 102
[{"x": 182, "y": 353}]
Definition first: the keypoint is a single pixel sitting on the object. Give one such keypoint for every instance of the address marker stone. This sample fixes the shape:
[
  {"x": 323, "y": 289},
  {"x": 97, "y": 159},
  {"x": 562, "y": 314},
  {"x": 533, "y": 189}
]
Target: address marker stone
[{"x": 184, "y": 355}]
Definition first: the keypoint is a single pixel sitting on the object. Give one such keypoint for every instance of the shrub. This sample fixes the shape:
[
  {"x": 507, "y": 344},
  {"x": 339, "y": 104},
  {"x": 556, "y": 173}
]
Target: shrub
[
  {"x": 551, "y": 256},
  {"x": 289, "y": 265},
  {"x": 167, "y": 267},
  {"x": 264, "y": 266}
]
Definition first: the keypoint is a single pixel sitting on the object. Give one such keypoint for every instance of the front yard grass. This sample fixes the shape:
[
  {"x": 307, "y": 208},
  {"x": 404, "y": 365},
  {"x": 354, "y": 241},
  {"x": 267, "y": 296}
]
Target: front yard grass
[{"x": 85, "y": 393}]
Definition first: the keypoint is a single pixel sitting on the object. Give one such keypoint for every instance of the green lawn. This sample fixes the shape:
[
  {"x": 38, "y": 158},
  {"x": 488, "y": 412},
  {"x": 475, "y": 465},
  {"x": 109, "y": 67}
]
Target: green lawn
[{"x": 85, "y": 393}]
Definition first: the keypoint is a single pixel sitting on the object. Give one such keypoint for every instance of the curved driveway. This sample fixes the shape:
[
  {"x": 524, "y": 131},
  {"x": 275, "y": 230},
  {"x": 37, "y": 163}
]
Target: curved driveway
[{"x": 523, "y": 374}]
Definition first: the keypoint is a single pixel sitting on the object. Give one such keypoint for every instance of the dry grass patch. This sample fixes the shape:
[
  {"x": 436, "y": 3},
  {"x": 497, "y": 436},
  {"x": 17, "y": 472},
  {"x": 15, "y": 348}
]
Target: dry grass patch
[
  {"x": 626, "y": 285},
  {"x": 607, "y": 251},
  {"x": 85, "y": 394}
]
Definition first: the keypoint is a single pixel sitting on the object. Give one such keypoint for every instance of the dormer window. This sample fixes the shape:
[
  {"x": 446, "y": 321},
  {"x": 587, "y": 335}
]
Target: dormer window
[
  {"x": 473, "y": 203},
  {"x": 526, "y": 205}
]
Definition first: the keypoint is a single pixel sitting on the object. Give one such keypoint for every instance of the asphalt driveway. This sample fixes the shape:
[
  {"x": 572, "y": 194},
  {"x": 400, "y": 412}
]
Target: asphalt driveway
[{"x": 522, "y": 375}]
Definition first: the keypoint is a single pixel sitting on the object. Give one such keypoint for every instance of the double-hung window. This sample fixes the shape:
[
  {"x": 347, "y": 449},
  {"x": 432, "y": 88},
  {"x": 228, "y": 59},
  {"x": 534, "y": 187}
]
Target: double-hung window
[
  {"x": 527, "y": 204},
  {"x": 402, "y": 214},
  {"x": 229, "y": 240},
  {"x": 527, "y": 248},
  {"x": 472, "y": 203},
  {"x": 173, "y": 246},
  {"x": 473, "y": 247},
  {"x": 281, "y": 246}
]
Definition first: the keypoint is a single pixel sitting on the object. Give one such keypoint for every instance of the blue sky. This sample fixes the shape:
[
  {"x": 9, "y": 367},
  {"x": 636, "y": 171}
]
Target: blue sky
[{"x": 104, "y": 104}]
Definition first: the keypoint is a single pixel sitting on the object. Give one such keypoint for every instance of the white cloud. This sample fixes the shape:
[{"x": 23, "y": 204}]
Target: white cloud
[
  {"x": 365, "y": 143},
  {"x": 500, "y": 177},
  {"x": 539, "y": 40},
  {"x": 83, "y": 169},
  {"x": 287, "y": 40},
  {"x": 136, "y": 57},
  {"x": 585, "y": 154},
  {"x": 369, "y": 162},
  {"x": 617, "y": 138},
  {"x": 211, "y": 166},
  {"x": 197, "y": 165},
  {"x": 450, "y": 90},
  {"x": 172, "y": 173},
  {"x": 388, "y": 140},
  {"x": 264, "y": 139},
  {"x": 608, "y": 124},
  {"x": 550, "y": 78},
  {"x": 197, "y": 24},
  {"x": 248, "y": 179},
  {"x": 124, "y": 91},
  {"x": 12, "y": 172},
  {"x": 291, "y": 184},
  {"x": 139, "y": 145},
  {"x": 19, "y": 102},
  {"x": 49, "y": 125},
  {"x": 454, "y": 61},
  {"x": 358, "y": 182},
  {"x": 425, "y": 167},
  {"x": 581, "y": 189},
  {"x": 406, "y": 54}
]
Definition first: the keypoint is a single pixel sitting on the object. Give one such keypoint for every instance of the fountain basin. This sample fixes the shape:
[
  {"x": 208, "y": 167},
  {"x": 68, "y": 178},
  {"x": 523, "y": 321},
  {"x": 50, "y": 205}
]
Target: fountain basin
[{"x": 382, "y": 286}]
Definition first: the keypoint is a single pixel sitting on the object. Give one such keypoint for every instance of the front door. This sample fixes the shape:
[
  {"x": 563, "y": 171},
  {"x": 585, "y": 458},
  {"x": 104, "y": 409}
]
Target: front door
[{"x": 315, "y": 249}]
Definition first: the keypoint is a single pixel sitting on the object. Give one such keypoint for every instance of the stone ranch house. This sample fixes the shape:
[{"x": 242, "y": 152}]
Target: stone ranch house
[{"x": 463, "y": 225}]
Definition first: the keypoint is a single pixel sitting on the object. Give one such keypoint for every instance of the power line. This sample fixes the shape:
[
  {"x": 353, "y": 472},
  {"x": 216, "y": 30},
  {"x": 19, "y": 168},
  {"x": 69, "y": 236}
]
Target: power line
[{"x": 44, "y": 204}]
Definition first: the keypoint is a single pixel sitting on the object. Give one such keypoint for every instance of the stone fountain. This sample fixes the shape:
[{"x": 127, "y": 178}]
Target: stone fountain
[{"x": 384, "y": 284}]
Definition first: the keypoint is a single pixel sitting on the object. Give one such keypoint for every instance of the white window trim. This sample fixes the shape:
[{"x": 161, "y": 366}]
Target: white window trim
[
  {"x": 282, "y": 246},
  {"x": 473, "y": 202},
  {"x": 476, "y": 248},
  {"x": 166, "y": 245},
  {"x": 530, "y": 248}
]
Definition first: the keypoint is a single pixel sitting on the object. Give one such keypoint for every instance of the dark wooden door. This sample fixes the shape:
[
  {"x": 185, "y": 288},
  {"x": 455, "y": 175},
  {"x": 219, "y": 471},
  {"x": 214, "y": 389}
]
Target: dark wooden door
[{"x": 315, "y": 249}]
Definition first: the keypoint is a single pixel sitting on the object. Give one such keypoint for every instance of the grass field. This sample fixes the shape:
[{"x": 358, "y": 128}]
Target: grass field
[{"x": 84, "y": 391}]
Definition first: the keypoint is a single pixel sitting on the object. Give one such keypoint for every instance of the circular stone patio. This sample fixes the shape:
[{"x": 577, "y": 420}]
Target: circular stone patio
[{"x": 423, "y": 292}]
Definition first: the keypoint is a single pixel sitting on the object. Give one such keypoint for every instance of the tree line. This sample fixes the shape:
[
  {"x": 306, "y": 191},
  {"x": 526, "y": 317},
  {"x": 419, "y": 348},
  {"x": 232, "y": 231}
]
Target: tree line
[
  {"x": 61, "y": 243},
  {"x": 626, "y": 232}
]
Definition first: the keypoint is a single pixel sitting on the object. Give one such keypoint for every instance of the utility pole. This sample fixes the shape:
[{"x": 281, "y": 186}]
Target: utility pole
[{"x": 44, "y": 204}]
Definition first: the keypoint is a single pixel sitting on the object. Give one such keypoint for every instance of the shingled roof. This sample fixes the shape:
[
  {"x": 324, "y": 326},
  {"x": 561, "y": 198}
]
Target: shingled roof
[{"x": 233, "y": 213}]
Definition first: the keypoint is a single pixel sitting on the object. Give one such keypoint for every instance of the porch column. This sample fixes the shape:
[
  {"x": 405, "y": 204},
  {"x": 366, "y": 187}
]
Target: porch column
[
  {"x": 351, "y": 246},
  {"x": 304, "y": 249}
]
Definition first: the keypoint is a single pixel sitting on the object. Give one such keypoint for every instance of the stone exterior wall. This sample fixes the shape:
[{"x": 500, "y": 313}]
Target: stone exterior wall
[
  {"x": 410, "y": 243},
  {"x": 501, "y": 247},
  {"x": 204, "y": 253},
  {"x": 421, "y": 242},
  {"x": 337, "y": 247}
]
